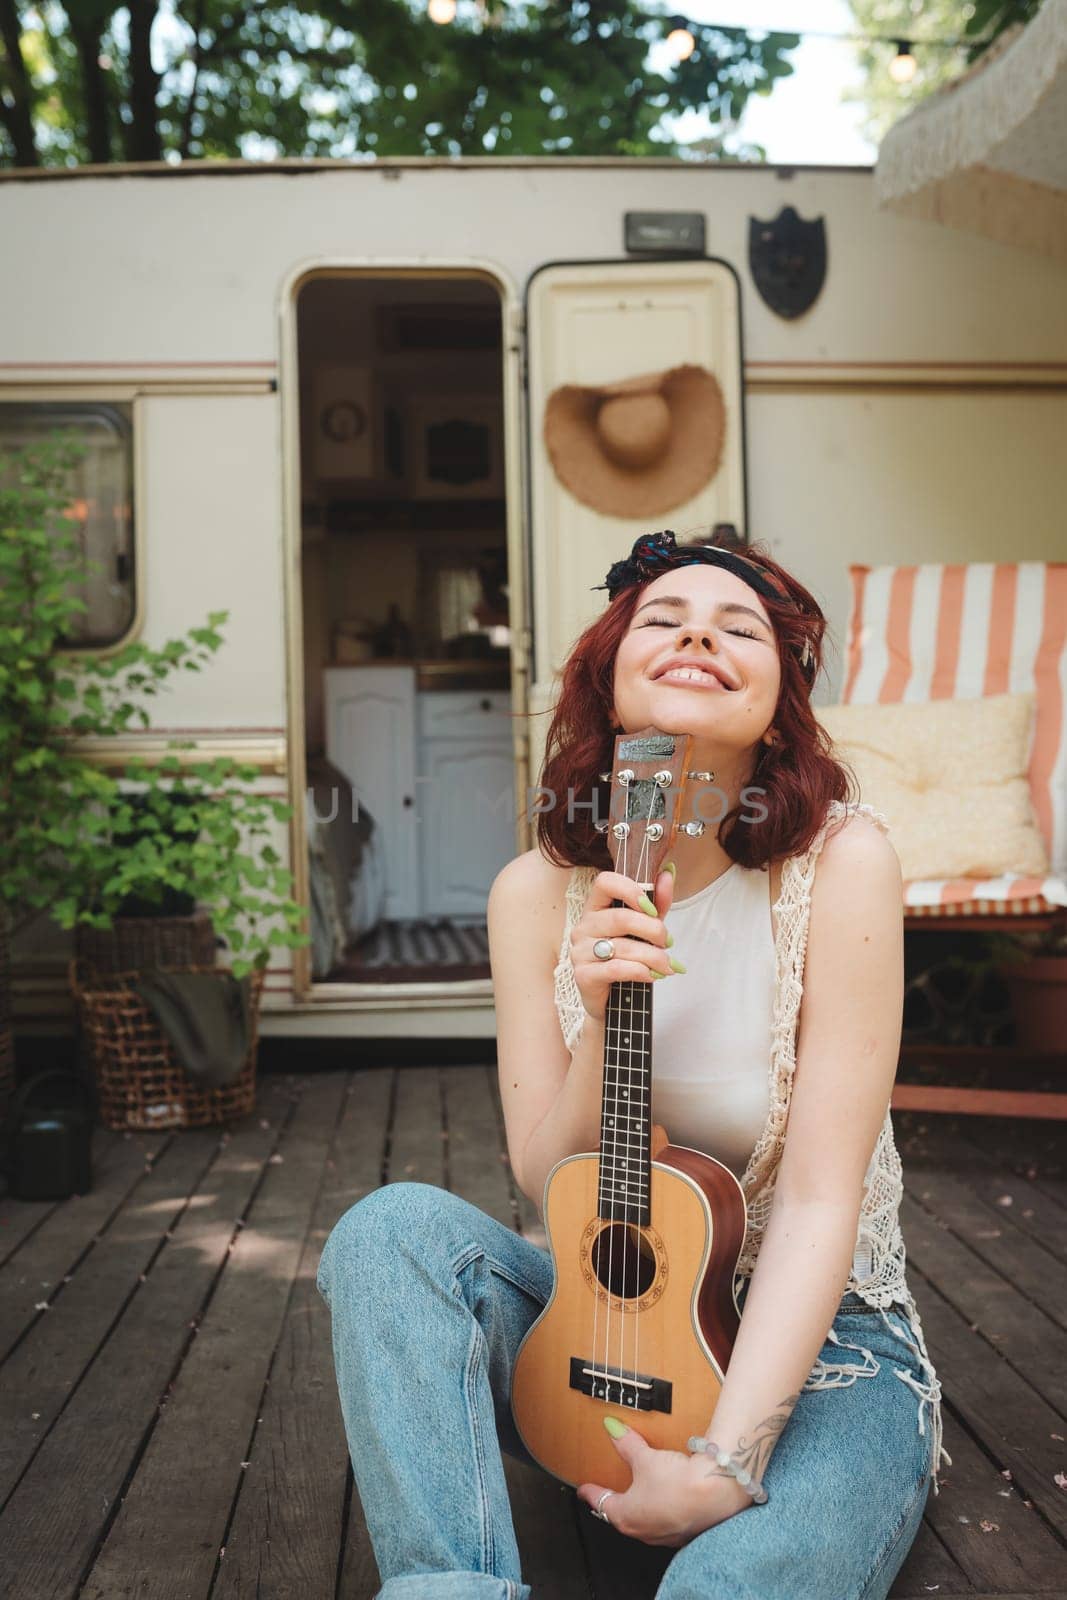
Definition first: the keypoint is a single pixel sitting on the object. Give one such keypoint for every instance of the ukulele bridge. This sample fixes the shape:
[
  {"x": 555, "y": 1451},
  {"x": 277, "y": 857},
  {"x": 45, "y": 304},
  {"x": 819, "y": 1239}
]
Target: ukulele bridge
[{"x": 620, "y": 1387}]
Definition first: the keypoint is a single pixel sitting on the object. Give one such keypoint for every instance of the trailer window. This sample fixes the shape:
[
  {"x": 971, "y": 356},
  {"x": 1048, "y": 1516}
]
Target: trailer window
[{"x": 100, "y": 507}]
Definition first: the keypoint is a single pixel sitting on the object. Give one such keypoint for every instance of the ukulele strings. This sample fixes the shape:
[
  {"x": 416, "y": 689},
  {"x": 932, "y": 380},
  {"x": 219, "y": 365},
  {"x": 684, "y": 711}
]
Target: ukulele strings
[
  {"x": 640, "y": 865},
  {"x": 645, "y": 991}
]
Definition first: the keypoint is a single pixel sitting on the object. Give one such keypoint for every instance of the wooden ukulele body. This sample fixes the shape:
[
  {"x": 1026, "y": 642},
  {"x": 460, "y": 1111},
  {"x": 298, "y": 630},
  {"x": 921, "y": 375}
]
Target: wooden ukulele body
[{"x": 668, "y": 1334}]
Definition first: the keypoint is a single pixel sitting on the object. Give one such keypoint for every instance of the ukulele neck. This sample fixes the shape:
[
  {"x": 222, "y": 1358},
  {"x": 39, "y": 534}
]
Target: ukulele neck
[{"x": 626, "y": 1112}]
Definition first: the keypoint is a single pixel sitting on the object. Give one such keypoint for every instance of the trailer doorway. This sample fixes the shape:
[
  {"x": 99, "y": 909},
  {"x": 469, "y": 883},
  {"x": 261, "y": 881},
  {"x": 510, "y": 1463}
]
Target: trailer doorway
[{"x": 409, "y": 624}]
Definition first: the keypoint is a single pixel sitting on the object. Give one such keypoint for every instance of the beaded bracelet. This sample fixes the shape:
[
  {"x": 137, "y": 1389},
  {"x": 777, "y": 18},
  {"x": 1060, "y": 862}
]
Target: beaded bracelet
[{"x": 698, "y": 1445}]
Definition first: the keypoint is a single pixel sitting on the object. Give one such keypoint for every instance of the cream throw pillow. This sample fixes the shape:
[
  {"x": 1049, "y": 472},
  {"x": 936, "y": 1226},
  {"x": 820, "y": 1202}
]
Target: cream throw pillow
[{"x": 950, "y": 778}]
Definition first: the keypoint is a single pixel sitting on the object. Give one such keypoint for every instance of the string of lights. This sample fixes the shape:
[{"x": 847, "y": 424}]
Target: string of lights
[
  {"x": 681, "y": 41},
  {"x": 902, "y": 67}
]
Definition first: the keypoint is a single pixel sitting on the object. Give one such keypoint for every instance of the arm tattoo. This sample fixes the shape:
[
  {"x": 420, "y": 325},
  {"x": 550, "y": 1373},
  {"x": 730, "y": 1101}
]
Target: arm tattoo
[{"x": 753, "y": 1454}]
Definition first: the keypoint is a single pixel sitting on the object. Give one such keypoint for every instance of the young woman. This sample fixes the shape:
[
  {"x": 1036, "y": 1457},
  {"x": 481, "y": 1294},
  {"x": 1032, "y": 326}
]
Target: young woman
[{"x": 775, "y": 1043}]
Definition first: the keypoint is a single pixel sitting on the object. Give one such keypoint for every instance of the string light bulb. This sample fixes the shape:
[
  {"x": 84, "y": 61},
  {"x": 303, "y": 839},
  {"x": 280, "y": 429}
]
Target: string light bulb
[
  {"x": 442, "y": 11},
  {"x": 680, "y": 41},
  {"x": 903, "y": 66}
]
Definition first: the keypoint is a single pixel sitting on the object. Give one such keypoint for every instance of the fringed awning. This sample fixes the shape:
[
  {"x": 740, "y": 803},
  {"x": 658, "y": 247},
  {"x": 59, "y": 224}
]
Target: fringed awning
[{"x": 988, "y": 153}]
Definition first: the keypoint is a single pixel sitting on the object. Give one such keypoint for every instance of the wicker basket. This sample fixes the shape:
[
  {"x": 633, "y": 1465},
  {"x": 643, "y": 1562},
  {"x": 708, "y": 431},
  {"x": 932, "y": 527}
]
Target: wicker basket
[
  {"x": 139, "y": 942},
  {"x": 140, "y": 1082}
]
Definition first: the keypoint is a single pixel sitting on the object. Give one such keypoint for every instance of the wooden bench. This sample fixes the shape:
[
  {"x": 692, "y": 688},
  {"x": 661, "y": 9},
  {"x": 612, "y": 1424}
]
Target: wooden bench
[{"x": 961, "y": 632}]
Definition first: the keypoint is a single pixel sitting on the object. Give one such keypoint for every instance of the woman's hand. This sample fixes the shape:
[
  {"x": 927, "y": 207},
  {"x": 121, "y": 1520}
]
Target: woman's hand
[
  {"x": 672, "y": 1497},
  {"x": 639, "y": 936}
]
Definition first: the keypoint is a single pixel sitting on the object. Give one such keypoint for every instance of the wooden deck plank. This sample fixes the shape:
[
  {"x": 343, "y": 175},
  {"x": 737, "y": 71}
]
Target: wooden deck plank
[
  {"x": 289, "y": 1520},
  {"x": 19, "y": 1219},
  {"x": 986, "y": 1172},
  {"x": 56, "y": 1251},
  {"x": 1016, "y": 1425},
  {"x": 1039, "y": 1144},
  {"x": 991, "y": 1231},
  {"x": 417, "y": 1144},
  {"x": 48, "y": 1540},
  {"x": 47, "y": 1366},
  {"x": 992, "y": 1306},
  {"x": 929, "y": 1568},
  {"x": 998, "y": 1542},
  {"x": 218, "y": 1391},
  {"x": 475, "y": 1164},
  {"x": 1036, "y": 1151}
]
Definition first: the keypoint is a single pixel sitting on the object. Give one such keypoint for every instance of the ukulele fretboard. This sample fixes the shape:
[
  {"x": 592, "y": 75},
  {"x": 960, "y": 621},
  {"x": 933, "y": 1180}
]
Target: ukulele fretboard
[{"x": 626, "y": 1116}]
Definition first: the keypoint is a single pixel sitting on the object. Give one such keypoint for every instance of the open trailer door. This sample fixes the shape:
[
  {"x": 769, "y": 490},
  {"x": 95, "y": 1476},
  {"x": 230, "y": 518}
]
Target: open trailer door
[{"x": 601, "y": 474}]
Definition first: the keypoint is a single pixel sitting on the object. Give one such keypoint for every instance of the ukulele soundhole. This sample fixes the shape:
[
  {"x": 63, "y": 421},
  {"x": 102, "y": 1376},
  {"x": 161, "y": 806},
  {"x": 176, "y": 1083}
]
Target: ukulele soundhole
[{"x": 623, "y": 1261}]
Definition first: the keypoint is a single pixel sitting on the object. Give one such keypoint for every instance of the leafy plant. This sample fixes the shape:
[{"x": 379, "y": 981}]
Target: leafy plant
[
  {"x": 1012, "y": 948},
  {"x": 178, "y": 79},
  {"x": 84, "y": 843}
]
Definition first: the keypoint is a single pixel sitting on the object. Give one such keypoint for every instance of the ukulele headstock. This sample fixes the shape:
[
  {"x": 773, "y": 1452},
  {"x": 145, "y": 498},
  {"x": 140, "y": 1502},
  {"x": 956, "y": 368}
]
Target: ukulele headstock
[{"x": 648, "y": 774}]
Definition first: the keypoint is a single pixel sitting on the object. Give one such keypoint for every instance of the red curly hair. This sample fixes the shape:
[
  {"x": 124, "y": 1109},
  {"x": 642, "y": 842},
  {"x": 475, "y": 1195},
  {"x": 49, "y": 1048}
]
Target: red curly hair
[{"x": 797, "y": 777}]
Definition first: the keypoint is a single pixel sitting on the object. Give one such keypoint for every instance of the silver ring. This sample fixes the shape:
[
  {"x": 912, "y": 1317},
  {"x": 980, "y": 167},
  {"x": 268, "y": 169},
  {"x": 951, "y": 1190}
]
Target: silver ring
[
  {"x": 604, "y": 949},
  {"x": 596, "y": 1509}
]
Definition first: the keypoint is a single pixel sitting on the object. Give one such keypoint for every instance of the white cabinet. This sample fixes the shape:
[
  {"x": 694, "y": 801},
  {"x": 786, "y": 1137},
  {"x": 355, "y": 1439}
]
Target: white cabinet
[
  {"x": 466, "y": 797},
  {"x": 370, "y": 735},
  {"x": 436, "y": 771}
]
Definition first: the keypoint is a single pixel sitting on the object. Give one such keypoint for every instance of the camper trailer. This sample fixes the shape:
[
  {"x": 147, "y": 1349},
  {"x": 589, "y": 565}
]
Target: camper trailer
[{"x": 355, "y": 406}]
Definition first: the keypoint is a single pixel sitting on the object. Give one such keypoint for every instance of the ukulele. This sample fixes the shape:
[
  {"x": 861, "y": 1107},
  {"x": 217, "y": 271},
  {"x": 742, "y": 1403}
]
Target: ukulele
[{"x": 644, "y": 1235}]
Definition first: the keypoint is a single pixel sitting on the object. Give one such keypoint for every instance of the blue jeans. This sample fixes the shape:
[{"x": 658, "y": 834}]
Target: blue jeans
[{"x": 430, "y": 1299}]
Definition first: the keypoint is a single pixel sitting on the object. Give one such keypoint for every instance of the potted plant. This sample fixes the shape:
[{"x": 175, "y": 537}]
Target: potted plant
[
  {"x": 91, "y": 845},
  {"x": 1034, "y": 965},
  {"x": 180, "y": 837}
]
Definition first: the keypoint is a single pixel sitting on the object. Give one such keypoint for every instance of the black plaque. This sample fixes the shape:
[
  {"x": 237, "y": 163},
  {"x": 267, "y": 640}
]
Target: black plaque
[{"x": 787, "y": 259}]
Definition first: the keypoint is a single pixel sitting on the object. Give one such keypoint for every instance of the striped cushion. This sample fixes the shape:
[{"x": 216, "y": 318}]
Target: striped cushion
[
  {"x": 987, "y": 897},
  {"x": 957, "y": 632}
]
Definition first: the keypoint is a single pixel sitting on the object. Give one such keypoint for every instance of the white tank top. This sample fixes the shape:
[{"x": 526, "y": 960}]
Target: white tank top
[{"x": 712, "y": 1027}]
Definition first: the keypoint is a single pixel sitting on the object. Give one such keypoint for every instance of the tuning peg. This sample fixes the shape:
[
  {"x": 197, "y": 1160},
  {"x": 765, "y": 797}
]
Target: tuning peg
[
  {"x": 693, "y": 829},
  {"x": 702, "y": 777},
  {"x": 602, "y": 827},
  {"x": 627, "y": 776},
  {"x": 654, "y": 831},
  {"x": 605, "y": 777},
  {"x": 621, "y": 830}
]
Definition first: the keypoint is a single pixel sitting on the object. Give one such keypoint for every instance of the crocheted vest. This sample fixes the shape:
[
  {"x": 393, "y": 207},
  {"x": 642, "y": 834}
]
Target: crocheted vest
[{"x": 878, "y": 1272}]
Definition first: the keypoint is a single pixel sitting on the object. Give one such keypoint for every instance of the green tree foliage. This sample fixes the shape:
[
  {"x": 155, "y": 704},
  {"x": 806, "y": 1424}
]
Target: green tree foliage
[
  {"x": 86, "y": 80},
  {"x": 975, "y": 22}
]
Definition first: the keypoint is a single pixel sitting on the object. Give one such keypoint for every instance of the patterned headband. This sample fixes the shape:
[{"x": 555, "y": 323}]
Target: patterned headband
[{"x": 656, "y": 553}]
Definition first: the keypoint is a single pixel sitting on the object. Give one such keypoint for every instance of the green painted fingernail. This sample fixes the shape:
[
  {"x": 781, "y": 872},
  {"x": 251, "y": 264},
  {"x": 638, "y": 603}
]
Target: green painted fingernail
[
  {"x": 669, "y": 866},
  {"x": 670, "y": 940},
  {"x": 676, "y": 964},
  {"x": 615, "y": 1427},
  {"x": 646, "y": 905},
  {"x": 656, "y": 975}
]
